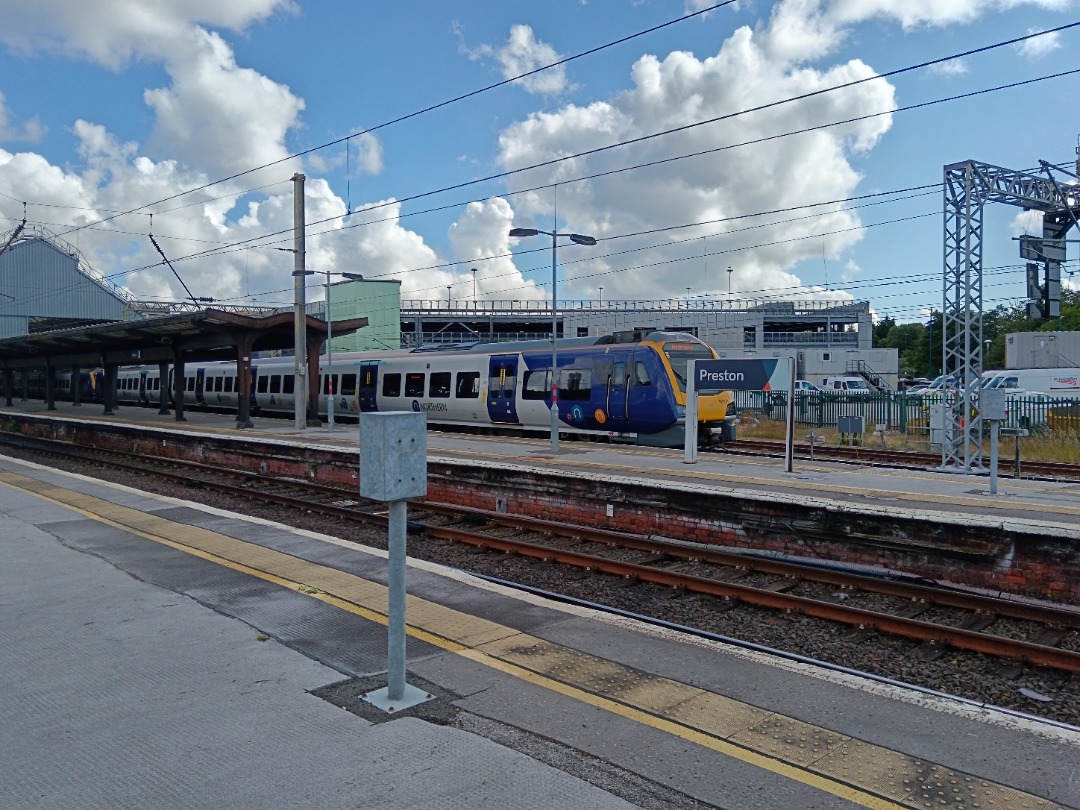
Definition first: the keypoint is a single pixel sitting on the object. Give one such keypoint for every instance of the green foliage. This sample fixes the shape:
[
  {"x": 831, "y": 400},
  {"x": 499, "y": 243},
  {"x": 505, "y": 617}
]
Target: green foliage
[{"x": 918, "y": 345}]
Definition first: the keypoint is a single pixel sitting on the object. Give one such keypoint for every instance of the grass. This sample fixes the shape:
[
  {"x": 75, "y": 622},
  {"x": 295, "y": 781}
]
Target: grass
[{"x": 1041, "y": 445}]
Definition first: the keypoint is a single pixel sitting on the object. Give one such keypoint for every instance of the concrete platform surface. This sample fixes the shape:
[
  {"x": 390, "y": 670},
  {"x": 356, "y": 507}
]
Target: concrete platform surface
[{"x": 158, "y": 653}]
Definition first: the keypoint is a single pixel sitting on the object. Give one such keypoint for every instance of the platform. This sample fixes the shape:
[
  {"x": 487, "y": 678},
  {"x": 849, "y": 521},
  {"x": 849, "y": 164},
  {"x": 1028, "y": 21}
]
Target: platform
[{"x": 161, "y": 653}]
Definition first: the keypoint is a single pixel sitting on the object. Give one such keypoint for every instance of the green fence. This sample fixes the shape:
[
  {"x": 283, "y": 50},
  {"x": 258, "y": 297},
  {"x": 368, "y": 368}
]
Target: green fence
[{"x": 899, "y": 411}]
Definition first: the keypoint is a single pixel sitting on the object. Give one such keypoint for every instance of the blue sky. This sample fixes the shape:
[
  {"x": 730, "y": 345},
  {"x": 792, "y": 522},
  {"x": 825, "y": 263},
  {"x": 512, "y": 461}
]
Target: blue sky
[{"x": 108, "y": 107}]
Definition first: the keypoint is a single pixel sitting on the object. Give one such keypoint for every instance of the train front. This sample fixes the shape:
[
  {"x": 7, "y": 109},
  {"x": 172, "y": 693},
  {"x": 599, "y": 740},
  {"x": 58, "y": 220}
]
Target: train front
[{"x": 716, "y": 423}]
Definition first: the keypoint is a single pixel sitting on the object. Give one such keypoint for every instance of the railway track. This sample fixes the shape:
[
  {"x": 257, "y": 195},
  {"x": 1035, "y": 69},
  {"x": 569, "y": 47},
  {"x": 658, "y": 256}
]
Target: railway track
[{"x": 936, "y": 617}]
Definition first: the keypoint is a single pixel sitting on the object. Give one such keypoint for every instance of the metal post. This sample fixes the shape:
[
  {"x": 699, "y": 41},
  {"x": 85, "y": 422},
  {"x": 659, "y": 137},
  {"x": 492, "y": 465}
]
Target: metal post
[
  {"x": 395, "y": 649},
  {"x": 300, "y": 308},
  {"x": 789, "y": 441},
  {"x": 994, "y": 425},
  {"x": 554, "y": 349},
  {"x": 690, "y": 454},
  {"x": 329, "y": 362}
]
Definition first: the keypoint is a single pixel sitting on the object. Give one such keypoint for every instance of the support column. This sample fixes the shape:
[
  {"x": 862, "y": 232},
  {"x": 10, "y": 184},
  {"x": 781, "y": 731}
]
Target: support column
[
  {"x": 76, "y": 386},
  {"x": 9, "y": 386},
  {"x": 179, "y": 384},
  {"x": 243, "y": 382},
  {"x": 314, "y": 350},
  {"x": 163, "y": 388},
  {"x": 50, "y": 388},
  {"x": 108, "y": 395}
]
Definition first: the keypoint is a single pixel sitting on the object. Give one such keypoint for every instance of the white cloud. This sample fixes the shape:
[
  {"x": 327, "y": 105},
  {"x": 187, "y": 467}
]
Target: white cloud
[
  {"x": 217, "y": 115},
  {"x": 681, "y": 90},
  {"x": 31, "y": 130},
  {"x": 954, "y": 67},
  {"x": 112, "y": 32},
  {"x": 480, "y": 234},
  {"x": 523, "y": 53},
  {"x": 369, "y": 153},
  {"x": 1038, "y": 47},
  {"x": 811, "y": 29}
]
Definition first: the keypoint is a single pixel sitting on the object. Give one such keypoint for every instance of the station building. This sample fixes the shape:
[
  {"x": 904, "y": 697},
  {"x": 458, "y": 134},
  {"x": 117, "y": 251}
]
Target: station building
[{"x": 45, "y": 284}]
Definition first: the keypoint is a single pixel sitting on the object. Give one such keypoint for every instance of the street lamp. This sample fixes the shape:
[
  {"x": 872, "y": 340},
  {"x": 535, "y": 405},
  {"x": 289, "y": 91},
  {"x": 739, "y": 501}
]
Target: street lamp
[
  {"x": 577, "y": 239},
  {"x": 474, "y": 289},
  {"x": 730, "y": 270},
  {"x": 330, "y": 393},
  {"x": 448, "y": 297},
  {"x": 601, "y": 298}
]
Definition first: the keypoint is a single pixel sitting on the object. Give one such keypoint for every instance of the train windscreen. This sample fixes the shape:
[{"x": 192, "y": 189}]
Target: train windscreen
[{"x": 680, "y": 354}]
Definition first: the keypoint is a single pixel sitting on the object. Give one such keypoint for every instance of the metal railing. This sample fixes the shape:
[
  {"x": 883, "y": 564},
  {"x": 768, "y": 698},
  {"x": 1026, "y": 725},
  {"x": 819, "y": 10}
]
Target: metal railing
[{"x": 899, "y": 411}]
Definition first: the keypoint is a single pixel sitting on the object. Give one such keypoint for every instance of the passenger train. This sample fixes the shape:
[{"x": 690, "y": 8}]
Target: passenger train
[{"x": 627, "y": 387}]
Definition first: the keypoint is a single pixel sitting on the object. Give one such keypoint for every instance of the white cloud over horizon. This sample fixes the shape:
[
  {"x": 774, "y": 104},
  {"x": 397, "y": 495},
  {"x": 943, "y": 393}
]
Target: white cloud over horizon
[{"x": 214, "y": 118}]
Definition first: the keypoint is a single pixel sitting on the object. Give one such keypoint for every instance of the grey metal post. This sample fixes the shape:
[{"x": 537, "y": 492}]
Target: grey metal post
[
  {"x": 395, "y": 642},
  {"x": 393, "y": 468},
  {"x": 554, "y": 350},
  {"x": 789, "y": 440},
  {"x": 300, "y": 307},
  {"x": 994, "y": 426},
  {"x": 690, "y": 455},
  {"x": 329, "y": 362}
]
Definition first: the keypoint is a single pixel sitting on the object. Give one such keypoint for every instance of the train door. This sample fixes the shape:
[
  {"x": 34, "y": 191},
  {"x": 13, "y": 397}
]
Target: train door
[
  {"x": 144, "y": 398},
  {"x": 200, "y": 386},
  {"x": 617, "y": 391},
  {"x": 502, "y": 382},
  {"x": 369, "y": 387}
]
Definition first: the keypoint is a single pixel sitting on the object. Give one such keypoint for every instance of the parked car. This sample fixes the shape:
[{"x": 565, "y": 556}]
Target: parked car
[{"x": 805, "y": 387}]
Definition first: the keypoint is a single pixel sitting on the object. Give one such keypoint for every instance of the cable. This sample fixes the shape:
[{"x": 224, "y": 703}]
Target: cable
[{"x": 430, "y": 108}]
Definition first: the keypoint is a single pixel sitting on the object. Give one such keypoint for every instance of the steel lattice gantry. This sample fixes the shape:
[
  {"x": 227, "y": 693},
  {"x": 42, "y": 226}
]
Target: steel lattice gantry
[{"x": 968, "y": 186}]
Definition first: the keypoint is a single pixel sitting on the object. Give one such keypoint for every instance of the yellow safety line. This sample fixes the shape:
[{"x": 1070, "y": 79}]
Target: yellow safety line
[
  {"x": 771, "y": 764},
  {"x": 768, "y": 763}
]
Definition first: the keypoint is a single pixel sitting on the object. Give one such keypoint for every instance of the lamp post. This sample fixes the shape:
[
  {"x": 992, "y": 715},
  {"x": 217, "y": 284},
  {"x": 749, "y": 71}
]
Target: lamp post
[
  {"x": 601, "y": 298},
  {"x": 730, "y": 270},
  {"x": 577, "y": 239},
  {"x": 474, "y": 289},
  {"x": 329, "y": 386}
]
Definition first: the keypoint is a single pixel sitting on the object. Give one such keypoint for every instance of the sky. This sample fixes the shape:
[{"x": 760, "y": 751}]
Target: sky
[{"x": 707, "y": 153}]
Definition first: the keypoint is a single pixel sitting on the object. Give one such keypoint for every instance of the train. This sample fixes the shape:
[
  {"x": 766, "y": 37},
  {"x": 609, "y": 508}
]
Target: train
[{"x": 625, "y": 387}]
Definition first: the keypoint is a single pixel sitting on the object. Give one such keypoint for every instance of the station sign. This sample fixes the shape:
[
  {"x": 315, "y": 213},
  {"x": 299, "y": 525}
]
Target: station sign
[{"x": 741, "y": 375}]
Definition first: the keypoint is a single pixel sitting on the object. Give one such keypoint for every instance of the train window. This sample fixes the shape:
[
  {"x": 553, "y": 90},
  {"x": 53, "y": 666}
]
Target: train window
[
  {"x": 288, "y": 384},
  {"x": 190, "y": 383},
  {"x": 439, "y": 385},
  {"x": 219, "y": 384},
  {"x": 414, "y": 384},
  {"x": 575, "y": 383},
  {"x": 275, "y": 383},
  {"x": 641, "y": 374},
  {"x": 502, "y": 382},
  {"x": 326, "y": 389},
  {"x": 348, "y": 385},
  {"x": 618, "y": 376},
  {"x": 468, "y": 384},
  {"x": 537, "y": 383},
  {"x": 261, "y": 385},
  {"x": 229, "y": 384},
  {"x": 391, "y": 385}
]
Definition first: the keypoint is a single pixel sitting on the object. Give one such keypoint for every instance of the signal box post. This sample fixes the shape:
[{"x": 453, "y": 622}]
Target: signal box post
[{"x": 393, "y": 468}]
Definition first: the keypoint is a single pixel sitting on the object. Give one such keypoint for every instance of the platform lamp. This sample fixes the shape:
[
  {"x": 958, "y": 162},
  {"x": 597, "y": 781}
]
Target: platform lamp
[
  {"x": 577, "y": 239},
  {"x": 330, "y": 393}
]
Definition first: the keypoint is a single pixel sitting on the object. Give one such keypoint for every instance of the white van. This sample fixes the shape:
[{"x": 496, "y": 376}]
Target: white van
[
  {"x": 1046, "y": 380},
  {"x": 846, "y": 385}
]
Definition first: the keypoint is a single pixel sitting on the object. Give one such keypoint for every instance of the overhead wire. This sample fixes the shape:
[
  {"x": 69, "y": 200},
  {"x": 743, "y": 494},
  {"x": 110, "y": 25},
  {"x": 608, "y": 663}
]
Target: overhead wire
[{"x": 427, "y": 109}]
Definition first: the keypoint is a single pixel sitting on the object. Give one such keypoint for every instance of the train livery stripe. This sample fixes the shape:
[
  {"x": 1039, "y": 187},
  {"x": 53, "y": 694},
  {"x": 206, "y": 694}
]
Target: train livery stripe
[{"x": 866, "y": 775}]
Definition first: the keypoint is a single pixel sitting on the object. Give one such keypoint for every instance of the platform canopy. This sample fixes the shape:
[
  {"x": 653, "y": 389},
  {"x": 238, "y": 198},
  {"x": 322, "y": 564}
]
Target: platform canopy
[{"x": 209, "y": 334}]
